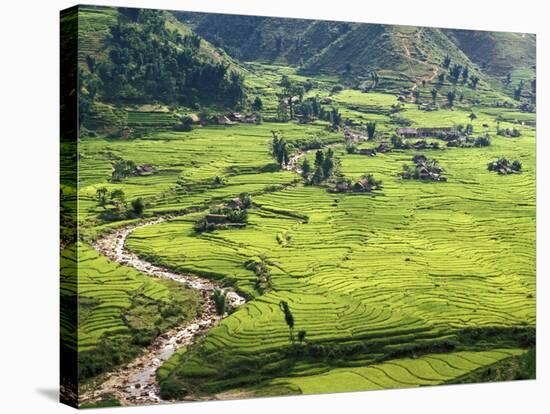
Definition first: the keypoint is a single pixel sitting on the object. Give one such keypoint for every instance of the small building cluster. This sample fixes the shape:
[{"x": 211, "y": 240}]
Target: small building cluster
[
  {"x": 365, "y": 184},
  {"x": 424, "y": 169},
  {"x": 423, "y": 132},
  {"x": 231, "y": 214},
  {"x": 350, "y": 135},
  {"x": 504, "y": 166},
  {"x": 144, "y": 169},
  {"x": 231, "y": 118}
]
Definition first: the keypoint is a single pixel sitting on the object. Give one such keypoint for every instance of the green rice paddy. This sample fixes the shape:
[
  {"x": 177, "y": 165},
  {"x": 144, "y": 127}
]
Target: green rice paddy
[
  {"x": 372, "y": 279},
  {"x": 433, "y": 369}
]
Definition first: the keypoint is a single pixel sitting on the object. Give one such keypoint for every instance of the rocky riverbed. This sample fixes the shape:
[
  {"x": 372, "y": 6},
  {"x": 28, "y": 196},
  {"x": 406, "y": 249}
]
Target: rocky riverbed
[{"x": 135, "y": 383}]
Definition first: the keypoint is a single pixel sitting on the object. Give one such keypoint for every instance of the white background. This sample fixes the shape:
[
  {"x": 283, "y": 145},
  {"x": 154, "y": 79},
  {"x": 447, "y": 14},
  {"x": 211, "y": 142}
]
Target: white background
[{"x": 29, "y": 207}]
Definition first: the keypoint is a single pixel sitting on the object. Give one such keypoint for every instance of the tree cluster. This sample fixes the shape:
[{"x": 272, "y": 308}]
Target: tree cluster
[
  {"x": 150, "y": 62},
  {"x": 280, "y": 149},
  {"x": 325, "y": 167},
  {"x": 504, "y": 166}
]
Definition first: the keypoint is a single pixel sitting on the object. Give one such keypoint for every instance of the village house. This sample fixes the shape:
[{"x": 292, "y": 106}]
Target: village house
[
  {"x": 367, "y": 151},
  {"x": 216, "y": 218},
  {"x": 422, "y": 132},
  {"x": 250, "y": 119},
  {"x": 144, "y": 169},
  {"x": 221, "y": 120},
  {"x": 235, "y": 204},
  {"x": 194, "y": 118},
  {"x": 383, "y": 147},
  {"x": 235, "y": 117}
]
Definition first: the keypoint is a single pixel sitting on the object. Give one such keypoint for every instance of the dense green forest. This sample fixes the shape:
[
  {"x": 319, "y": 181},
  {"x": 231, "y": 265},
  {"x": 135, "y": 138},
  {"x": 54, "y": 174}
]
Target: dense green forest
[{"x": 150, "y": 62}]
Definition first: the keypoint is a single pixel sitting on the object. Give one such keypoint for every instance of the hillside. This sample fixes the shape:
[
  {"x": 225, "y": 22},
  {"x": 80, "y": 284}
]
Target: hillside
[
  {"x": 325, "y": 46},
  {"x": 497, "y": 53},
  {"x": 136, "y": 57},
  {"x": 266, "y": 39},
  {"x": 95, "y": 23},
  {"x": 354, "y": 50}
]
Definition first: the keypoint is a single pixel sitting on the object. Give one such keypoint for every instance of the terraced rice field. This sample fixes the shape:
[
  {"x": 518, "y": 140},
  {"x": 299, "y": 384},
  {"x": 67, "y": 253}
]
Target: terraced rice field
[
  {"x": 401, "y": 373},
  {"x": 410, "y": 269},
  {"x": 139, "y": 119}
]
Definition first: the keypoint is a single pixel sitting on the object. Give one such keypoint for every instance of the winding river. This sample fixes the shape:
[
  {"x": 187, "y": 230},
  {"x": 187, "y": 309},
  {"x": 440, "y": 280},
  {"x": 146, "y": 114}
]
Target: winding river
[{"x": 135, "y": 383}]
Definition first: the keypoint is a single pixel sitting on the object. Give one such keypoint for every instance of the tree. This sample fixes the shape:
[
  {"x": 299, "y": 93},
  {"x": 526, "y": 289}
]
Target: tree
[
  {"x": 434, "y": 95},
  {"x": 257, "y": 105},
  {"x": 220, "y": 301},
  {"x": 508, "y": 79},
  {"x": 519, "y": 90},
  {"x": 101, "y": 195},
  {"x": 472, "y": 116},
  {"x": 289, "y": 318},
  {"x": 441, "y": 77},
  {"x": 138, "y": 205},
  {"x": 451, "y": 95},
  {"x": 446, "y": 61},
  {"x": 328, "y": 163},
  {"x": 371, "y": 129},
  {"x": 122, "y": 169},
  {"x": 149, "y": 61},
  {"x": 347, "y": 68},
  {"x": 351, "y": 148},
  {"x": 375, "y": 79},
  {"x": 282, "y": 112},
  {"x": 301, "y": 335},
  {"x": 186, "y": 123},
  {"x": 319, "y": 158},
  {"x": 246, "y": 199},
  {"x": 465, "y": 75},
  {"x": 289, "y": 90},
  {"x": 118, "y": 199},
  {"x": 306, "y": 168},
  {"x": 318, "y": 176},
  {"x": 279, "y": 148},
  {"x": 455, "y": 72},
  {"x": 474, "y": 81},
  {"x": 335, "y": 118}
]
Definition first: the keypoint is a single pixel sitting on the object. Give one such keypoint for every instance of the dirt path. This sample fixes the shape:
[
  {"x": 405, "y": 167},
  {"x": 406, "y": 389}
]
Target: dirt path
[
  {"x": 135, "y": 383},
  {"x": 427, "y": 78}
]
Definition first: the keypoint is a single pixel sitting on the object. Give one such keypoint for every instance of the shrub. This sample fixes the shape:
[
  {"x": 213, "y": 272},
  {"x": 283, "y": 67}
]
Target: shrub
[
  {"x": 337, "y": 88},
  {"x": 220, "y": 301},
  {"x": 138, "y": 205}
]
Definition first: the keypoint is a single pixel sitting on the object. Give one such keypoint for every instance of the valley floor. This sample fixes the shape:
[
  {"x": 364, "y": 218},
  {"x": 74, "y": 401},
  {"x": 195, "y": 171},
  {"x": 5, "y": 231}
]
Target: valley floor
[{"x": 421, "y": 283}]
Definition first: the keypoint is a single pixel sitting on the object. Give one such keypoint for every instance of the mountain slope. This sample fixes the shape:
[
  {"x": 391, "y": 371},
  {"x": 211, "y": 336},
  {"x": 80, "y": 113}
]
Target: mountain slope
[
  {"x": 95, "y": 23},
  {"x": 265, "y": 39},
  {"x": 498, "y": 53},
  {"x": 328, "y": 46}
]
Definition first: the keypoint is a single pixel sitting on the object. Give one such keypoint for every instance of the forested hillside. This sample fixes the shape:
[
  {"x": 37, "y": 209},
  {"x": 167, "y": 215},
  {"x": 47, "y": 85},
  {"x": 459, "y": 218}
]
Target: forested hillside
[{"x": 147, "y": 59}]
